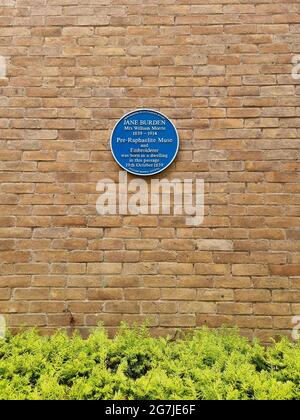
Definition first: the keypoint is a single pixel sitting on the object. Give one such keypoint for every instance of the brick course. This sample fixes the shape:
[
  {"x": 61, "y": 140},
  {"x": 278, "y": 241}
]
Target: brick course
[{"x": 221, "y": 70}]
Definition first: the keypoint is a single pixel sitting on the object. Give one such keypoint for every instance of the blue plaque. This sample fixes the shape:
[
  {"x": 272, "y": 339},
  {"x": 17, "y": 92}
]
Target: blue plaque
[{"x": 144, "y": 142}]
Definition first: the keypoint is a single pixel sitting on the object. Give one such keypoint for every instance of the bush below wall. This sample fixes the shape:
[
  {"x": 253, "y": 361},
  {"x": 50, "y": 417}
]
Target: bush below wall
[{"x": 207, "y": 365}]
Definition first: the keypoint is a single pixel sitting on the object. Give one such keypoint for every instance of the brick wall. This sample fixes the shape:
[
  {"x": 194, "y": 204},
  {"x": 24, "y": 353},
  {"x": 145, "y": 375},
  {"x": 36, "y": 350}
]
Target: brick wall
[{"x": 221, "y": 70}]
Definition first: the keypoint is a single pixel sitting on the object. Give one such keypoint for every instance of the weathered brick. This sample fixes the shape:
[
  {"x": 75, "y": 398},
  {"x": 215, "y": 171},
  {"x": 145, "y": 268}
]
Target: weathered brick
[
  {"x": 159, "y": 307},
  {"x": 197, "y": 307},
  {"x": 214, "y": 245},
  {"x": 285, "y": 270},
  {"x": 212, "y": 269},
  {"x": 122, "y": 307},
  {"x": 29, "y": 320},
  {"x": 32, "y": 294},
  {"x": 142, "y": 294},
  {"x": 178, "y": 294},
  {"x": 252, "y": 295},
  {"x": 231, "y": 308},
  {"x": 281, "y": 309},
  {"x": 214, "y": 321},
  {"x": 250, "y": 270},
  {"x": 15, "y": 233},
  {"x": 175, "y": 268},
  {"x": 177, "y": 320},
  {"x": 104, "y": 268},
  {"x": 140, "y": 268},
  {"x": 105, "y": 294}
]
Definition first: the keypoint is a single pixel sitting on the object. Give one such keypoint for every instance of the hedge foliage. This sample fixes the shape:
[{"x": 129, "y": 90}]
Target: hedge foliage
[{"x": 208, "y": 365}]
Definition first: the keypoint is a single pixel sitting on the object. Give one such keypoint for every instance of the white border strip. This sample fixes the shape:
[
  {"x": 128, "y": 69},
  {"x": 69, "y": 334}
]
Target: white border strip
[
  {"x": 2, "y": 327},
  {"x": 3, "y": 67}
]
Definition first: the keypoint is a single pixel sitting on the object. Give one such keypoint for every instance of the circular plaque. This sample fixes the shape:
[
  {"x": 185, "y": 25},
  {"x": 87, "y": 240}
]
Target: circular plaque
[{"x": 144, "y": 142}]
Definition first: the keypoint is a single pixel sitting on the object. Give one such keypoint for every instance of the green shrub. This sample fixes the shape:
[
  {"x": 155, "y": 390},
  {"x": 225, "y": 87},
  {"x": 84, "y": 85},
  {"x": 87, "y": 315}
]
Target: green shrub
[{"x": 208, "y": 365}]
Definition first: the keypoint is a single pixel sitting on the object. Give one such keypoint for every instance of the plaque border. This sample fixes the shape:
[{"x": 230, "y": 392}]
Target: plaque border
[{"x": 144, "y": 110}]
